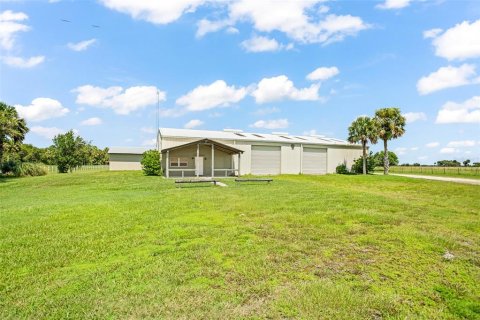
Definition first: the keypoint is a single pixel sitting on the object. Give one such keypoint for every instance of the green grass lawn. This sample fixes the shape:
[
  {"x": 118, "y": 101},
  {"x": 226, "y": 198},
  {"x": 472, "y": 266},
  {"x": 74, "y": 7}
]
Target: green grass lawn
[{"x": 122, "y": 245}]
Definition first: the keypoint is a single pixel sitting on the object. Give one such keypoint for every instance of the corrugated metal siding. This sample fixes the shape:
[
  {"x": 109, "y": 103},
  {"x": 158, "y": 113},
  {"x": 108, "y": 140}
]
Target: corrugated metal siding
[
  {"x": 125, "y": 161},
  {"x": 341, "y": 155},
  {"x": 266, "y": 160},
  {"x": 314, "y": 161}
]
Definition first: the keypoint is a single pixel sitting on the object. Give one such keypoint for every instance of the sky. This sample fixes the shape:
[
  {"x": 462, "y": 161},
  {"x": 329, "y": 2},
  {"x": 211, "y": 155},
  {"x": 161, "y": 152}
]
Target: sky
[{"x": 302, "y": 67}]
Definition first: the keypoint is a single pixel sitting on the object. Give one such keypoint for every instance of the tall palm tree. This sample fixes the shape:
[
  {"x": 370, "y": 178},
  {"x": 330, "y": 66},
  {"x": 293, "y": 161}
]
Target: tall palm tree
[
  {"x": 363, "y": 130},
  {"x": 12, "y": 128},
  {"x": 391, "y": 125}
]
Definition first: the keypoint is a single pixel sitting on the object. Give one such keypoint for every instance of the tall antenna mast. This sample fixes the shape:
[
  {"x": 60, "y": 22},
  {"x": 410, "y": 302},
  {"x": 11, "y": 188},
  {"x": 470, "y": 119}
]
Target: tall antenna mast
[{"x": 158, "y": 119}]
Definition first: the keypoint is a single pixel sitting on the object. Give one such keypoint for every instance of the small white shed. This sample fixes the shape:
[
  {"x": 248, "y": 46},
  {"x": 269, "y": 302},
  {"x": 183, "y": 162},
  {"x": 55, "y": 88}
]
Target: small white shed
[{"x": 125, "y": 158}]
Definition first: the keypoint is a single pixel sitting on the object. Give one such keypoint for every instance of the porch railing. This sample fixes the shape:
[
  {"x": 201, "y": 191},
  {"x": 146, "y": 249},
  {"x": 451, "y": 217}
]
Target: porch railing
[{"x": 222, "y": 172}]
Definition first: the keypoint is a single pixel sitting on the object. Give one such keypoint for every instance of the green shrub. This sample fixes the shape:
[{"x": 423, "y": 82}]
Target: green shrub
[
  {"x": 357, "y": 166},
  {"x": 10, "y": 168},
  {"x": 151, "y": 163},
  {"x": 32, "y": 170},
  {"x": 342, "y": 169}
]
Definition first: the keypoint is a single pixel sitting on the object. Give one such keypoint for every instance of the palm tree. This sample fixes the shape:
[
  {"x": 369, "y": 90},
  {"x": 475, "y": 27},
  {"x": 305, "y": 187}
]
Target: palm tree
[
  {"x": 362, "y": 130},
  {"x": 12, "y": 128},
  {"x": 390, "y": 125}
]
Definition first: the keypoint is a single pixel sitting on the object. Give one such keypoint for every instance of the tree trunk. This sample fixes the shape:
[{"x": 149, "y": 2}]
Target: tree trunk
[
  {"x": 364, "y": 145},
  {"x": 386, "y": 163},
  {"x": 1, "y": 151}
]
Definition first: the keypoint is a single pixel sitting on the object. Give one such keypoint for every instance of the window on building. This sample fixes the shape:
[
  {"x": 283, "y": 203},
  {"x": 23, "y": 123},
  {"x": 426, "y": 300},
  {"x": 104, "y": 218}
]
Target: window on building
[{"x": 179, "y": 162}]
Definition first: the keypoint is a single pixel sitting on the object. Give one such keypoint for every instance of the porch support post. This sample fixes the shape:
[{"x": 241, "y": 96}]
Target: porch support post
[
  {"x": 213, "y": 160},
  {"x": 301, "y": 158},
  {"x": 239, "y": 164},
  {"x": 167, "y": 164},
  {"x": 197, "y": 171}
]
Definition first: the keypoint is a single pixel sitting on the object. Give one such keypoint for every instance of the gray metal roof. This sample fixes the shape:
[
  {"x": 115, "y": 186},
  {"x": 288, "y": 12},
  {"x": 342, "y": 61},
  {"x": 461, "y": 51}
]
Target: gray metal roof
[
  {"x": 245, "y": 136},
  {"x": 128, "y": 150}
]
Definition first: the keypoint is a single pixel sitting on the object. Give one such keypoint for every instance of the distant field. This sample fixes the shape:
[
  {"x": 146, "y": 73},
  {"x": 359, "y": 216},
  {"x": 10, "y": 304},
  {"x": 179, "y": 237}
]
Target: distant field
[
  {"x": 460, "y": 172},
  {"x": 122, "y": 245}
]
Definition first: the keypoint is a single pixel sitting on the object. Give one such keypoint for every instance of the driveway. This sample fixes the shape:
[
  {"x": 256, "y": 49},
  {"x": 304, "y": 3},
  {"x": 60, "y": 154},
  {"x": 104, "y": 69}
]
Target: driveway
[{"x": 449, "y": 179}]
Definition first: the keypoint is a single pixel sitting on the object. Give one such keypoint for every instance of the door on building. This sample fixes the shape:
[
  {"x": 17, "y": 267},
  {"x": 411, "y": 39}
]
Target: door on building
[
  {"x": 199, "y": 166},
  {"x": 266, "y": 159},
  {"x": 314, "y": 161}
]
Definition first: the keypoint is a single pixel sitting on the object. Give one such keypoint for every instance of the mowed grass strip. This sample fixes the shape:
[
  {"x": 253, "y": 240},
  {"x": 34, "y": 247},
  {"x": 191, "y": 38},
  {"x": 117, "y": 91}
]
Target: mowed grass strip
[
  {"x": 455, "y": 172},
  {"x": 122, "y": 245}
]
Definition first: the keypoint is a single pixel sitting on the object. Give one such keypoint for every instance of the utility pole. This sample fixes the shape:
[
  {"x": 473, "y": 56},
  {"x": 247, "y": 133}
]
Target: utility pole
[{"x": 158, "y": 119}]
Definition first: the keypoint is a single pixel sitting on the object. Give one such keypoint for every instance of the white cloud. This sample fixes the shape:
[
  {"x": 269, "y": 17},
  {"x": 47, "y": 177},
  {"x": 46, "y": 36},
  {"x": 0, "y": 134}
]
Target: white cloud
[
  {"x": 41, "y": 109},
  {"x": 119, "y": 100},
  {"x": 401, "y": 151},
  {"x": 265, "y": 111},
  {"x": 205, "y": 26},
  {"x": 232, "y": 30},
  {"x": 82, "y": 45},
  {"x": 216, "y": 94},
  {"x": 281, "y": 88},
  {"x": 432, "y": 33},
  {"x": 157, "y": 12},
  {"x": 148, "y": 130},
  {"x": 447, "y": 77},
  {"x": 464, "y": 112},
  {"x": 432, "y": 144},
  {"x": 19, "y": 62},
  {"x": 10, "y": 25},
  {"x": 47, "y": 132},
  {"x": 311, "y": 132},
  {"x": 302, "y": 21},
  {"x": 172, "y": 112},
  {"x": 393, "y": 4},
  {"x": 414, "y": 148},
  {"x": 271, "y": 124},
  {"x": 414, "y": 116},
  {"x": 461, "y": 144},
  {"x": 263, "y": 44},
  {"x": 193, "y": 124},
  {"x": 459, "y": 42},
  {"x": 323, "y": 73},
  {"x": 448, "y": 150},
  {"x": 423, "y": 158},
  {"x": 95, "y": 121},
  {"x": 149, "y": 142}
]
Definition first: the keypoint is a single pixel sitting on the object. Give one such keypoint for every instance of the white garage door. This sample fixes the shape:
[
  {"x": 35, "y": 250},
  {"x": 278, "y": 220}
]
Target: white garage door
[
  {"x": 314, "y": 161},
  {"x": 266, "y": 160}
]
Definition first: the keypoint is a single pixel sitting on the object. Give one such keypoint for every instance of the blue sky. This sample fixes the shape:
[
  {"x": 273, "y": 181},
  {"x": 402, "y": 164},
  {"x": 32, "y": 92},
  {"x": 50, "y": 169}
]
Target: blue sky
[{"x": 295, "y": 66}]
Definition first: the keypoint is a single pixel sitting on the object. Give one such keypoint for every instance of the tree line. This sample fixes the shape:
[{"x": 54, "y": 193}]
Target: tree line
[{"x": 68, "y": 151}]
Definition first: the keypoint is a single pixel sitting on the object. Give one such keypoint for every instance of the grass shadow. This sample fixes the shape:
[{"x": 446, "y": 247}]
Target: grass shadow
[
  {"x": 194, "y": 186},
  {"x": 5, "y": 179}
]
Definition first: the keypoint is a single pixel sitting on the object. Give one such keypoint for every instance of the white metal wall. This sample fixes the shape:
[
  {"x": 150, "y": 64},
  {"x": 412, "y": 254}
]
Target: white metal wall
[
  {"x": 338, "y": 155},
  {"x": 125, "y": 162},
  {"x": 266, "y": 159},
  {"x": 314, "y": 160}
]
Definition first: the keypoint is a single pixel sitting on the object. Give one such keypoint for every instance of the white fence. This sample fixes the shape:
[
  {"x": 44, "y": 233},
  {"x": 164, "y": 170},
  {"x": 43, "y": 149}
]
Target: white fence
[{"x": 54, "y": 169}]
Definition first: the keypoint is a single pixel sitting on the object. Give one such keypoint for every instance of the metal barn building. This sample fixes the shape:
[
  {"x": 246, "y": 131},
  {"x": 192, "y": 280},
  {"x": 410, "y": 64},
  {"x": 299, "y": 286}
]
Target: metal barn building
[
  {"x": 189, "y": 153},
  {"x": 125, "y": 158}
]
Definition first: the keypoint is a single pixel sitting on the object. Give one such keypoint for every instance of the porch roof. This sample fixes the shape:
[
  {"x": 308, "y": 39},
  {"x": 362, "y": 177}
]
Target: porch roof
[{"x": 218, "y": 146}]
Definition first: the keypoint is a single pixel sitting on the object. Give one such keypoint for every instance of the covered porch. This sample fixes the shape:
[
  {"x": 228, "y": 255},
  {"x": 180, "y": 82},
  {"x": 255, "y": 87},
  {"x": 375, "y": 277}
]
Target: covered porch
[{"x": 202, "y": 158}]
